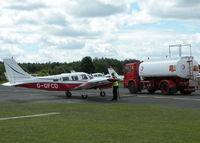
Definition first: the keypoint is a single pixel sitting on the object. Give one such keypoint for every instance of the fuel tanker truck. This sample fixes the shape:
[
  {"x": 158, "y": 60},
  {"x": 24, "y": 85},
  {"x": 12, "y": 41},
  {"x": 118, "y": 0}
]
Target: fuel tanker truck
[{"x": 168, "y": 75}]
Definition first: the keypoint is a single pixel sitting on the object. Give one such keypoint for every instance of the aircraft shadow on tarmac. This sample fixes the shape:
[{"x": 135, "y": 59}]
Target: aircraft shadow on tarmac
[{"x": 89, "y": 99}]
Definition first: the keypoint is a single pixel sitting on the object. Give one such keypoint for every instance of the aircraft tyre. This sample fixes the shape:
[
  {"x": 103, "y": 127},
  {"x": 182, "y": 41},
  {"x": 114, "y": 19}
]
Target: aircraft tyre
[
  {"x": 102, "y": 93},
  {"x": 132, "y": 87},
  {"x": 68, "y": 94},
  {"x": 84, "y": 96}
]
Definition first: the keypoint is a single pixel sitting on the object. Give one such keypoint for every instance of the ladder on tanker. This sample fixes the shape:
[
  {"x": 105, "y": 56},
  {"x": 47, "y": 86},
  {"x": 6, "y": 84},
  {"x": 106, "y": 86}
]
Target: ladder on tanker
[
  {"x": 190, "y": 63},
  {"x": 189, "y": 58}
]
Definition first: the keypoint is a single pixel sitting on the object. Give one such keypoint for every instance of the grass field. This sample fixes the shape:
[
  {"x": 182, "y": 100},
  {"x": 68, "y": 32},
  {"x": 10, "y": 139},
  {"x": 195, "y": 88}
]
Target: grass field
[{"x": 99, "y": 123}]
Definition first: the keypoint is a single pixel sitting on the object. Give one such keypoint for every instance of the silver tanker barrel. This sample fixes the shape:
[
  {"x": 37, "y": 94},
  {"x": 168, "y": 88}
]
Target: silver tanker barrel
[{"x": 183, "y": 67}]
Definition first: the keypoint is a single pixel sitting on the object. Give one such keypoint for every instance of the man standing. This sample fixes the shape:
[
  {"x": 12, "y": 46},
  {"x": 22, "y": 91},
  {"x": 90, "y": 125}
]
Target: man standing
[{"x": 115, "y": 88}]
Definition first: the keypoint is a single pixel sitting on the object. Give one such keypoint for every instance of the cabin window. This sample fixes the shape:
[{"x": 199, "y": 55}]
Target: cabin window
[
  {"x": 99, "y": 75},
  {"x": 55, "y": 80},
  {"x": 65, "y": 78},
  {"x": 84, "y": 76},
  {"x": 74, "y": 77}
]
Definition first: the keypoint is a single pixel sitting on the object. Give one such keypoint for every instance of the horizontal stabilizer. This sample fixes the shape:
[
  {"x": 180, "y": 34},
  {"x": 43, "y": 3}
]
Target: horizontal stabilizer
[{"x": 7, "y": 84}]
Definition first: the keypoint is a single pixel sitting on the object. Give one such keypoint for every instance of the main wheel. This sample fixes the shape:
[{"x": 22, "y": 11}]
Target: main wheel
[
  {"x": 84, "y": 96},
  {"x": 68, "y": 94},
  {"x": 132, "y": 88},
  {"x": 102, "y": 93}
]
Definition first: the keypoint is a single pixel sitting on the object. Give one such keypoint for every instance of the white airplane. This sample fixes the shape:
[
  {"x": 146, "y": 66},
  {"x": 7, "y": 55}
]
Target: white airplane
[
  {"x": 97, "y": 75},
  {"x": 111, "y": 71},
  {"x": 63, "y": 82}
]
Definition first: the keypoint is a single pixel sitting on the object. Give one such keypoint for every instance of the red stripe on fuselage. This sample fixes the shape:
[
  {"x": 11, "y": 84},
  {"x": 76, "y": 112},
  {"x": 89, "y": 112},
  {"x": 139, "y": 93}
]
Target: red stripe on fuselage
[{"x": 50, "y": 86}]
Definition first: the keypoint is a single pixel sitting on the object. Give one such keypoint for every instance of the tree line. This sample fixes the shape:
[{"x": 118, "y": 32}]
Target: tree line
[{"x": 87, "y": 64}]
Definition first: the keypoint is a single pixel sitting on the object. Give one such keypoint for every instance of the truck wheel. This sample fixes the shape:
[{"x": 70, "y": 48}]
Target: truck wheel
[
  {"x": 173, "y": 91},
  {"x": 151, "y": 91},
  {"x": 132, "y": 88},
  {"x": 165, "y": 89},
  {"x": 185, "y": 92}
]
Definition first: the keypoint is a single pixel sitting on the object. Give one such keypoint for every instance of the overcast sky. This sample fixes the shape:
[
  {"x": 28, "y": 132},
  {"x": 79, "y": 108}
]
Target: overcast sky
[{"x": 68, "y": 30}]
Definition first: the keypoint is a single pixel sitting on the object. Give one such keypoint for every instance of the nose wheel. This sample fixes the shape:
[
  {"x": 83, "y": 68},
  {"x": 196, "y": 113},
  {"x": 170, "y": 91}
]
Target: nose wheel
[{"x": 102, "y": 93}]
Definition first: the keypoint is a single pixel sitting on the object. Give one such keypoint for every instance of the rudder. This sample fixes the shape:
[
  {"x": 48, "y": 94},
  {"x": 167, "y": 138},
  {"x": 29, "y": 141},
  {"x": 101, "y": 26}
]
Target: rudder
[{"x": 14, "y": 72}]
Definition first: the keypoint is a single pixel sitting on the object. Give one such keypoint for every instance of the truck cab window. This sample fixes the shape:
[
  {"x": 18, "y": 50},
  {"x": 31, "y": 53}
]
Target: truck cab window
[{"x": 127, "y": 69}]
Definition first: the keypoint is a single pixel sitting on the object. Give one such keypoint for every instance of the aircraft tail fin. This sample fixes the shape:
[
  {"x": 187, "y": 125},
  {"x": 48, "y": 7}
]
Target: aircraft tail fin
[
  {"x": 14, "y": 72},
  {"x": 111, "y": 70}
]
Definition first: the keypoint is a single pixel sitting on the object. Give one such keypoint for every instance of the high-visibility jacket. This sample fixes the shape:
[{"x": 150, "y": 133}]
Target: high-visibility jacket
[{"x": 115, "y": 83}]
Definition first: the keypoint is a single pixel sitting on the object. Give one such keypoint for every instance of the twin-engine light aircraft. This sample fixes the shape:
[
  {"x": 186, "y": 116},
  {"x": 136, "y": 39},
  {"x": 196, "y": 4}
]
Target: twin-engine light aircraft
[{"x": 63, "y": 82}]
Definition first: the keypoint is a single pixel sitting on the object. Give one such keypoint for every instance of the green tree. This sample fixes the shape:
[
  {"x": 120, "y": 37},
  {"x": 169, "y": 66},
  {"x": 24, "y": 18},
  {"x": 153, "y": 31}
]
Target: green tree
[
  {"x": 87, "y": 65},
  {"x": 2, "y": 70}
]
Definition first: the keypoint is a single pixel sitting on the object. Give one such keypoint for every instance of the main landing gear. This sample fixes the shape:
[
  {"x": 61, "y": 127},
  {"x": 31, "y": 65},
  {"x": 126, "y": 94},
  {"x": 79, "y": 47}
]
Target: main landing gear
[
  {"x": 84, "y": 95},
  {"x": 68, "y": 94}
]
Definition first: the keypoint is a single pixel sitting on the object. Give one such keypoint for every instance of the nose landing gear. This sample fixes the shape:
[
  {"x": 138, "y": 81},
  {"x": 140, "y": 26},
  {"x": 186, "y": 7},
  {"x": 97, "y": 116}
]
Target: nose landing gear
[{"x": 102, "y": 93}]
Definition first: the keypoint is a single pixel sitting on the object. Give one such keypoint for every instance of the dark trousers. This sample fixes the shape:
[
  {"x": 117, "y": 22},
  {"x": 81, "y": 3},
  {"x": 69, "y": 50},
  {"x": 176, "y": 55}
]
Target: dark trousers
[{"x": 115, "y": 92}]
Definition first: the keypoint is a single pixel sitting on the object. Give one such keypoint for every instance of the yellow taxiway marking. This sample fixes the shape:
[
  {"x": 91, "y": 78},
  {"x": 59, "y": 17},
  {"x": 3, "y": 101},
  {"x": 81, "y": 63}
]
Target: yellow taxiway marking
[{"x": 29, "y": 116}]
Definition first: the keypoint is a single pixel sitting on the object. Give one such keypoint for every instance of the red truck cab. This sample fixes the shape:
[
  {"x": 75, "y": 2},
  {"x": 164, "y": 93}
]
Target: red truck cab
[{"x": 131, "y": 76}]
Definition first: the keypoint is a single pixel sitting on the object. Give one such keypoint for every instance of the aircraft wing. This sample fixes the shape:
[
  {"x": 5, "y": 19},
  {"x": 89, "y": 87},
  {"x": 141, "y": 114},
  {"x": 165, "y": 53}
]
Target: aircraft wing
[{"x": 100, "y": 83}]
